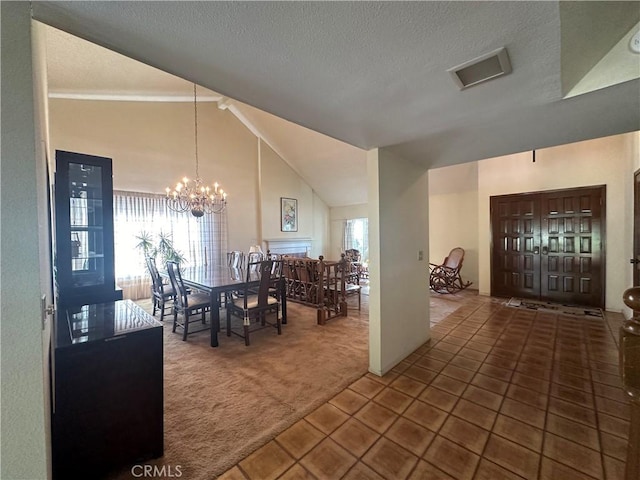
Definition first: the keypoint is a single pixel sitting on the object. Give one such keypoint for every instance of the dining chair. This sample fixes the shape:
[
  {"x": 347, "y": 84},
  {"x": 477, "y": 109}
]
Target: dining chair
[
  {"x": 235, "y": 259},
  {"x": 251, "y": 306},
  {"x": 254, "y": 258},
  {"x": 186, "y": 304},
  {"x": 341, "y": 284},
  {"x": 352, "y": 255},
  {"x": 161, "y": 292},
  {"x": 273, "y": 256},
  {"x": 351, "y": 275}
]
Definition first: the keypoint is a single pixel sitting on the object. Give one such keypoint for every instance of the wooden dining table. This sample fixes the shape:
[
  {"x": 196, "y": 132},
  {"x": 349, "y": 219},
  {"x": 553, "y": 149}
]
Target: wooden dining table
[{"x": 218, "y": 280}]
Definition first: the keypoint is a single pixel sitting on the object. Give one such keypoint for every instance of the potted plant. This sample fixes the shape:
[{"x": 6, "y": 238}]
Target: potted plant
[{"x": 162, "y": 247}]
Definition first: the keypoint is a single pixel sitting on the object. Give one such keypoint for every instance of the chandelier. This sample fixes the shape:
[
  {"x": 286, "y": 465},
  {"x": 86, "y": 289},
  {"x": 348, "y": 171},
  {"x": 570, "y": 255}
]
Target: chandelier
[{"x": 192, "y": 195}]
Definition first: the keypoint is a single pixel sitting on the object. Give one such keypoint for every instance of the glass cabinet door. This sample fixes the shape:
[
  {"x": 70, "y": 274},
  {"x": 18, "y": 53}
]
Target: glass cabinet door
[
  {"x": 86, "y": 224},
  {"x": 84, "y": 230}
]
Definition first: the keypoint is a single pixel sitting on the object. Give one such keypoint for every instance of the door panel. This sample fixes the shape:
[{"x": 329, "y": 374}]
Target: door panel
[
  {"x": 636, "y": 228},
  {"x": 516, "y": 266},
  {"x": 548, "y": 245},
  {"x": 571, "y": 265}
]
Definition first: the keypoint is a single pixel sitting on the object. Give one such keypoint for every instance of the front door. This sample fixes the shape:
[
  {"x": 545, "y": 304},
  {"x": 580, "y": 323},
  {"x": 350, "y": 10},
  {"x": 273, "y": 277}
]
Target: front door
[
  {"x": 636, "y": 229},
  {"x": 549, "y": 245}
]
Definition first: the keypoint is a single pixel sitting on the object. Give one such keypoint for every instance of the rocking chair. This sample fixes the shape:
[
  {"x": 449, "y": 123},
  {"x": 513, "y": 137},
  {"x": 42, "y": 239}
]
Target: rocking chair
[{"x": 445, "y": 278}]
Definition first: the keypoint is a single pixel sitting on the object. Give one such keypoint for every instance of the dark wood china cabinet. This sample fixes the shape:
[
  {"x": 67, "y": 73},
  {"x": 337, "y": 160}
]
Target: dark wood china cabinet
[
  {"x": 84, "y": 230},
  {"x": 107, "y": 362}
]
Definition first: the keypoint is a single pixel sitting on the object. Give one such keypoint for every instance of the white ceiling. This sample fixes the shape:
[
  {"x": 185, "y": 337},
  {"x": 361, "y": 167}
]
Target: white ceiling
[
  {"x": 80, "y": 69},
  {"x": 371, "y": 74}
]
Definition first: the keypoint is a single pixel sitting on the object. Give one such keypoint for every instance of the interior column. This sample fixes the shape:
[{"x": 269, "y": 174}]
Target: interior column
[{"x": 398, "y": 251}]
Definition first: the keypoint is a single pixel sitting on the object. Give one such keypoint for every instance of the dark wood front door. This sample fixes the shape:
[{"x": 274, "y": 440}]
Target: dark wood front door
[
  {"x": 636, "y": 229},
  {"x": 515, "y": 261},
  {"x": 549, "y": 245}
]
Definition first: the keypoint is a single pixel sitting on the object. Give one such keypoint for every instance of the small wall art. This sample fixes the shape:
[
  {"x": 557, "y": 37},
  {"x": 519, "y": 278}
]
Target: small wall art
[{"x": 288, "y": 214}]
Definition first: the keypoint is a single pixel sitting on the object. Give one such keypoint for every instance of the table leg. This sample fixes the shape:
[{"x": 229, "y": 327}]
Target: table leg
[{"x": 215, "y": 319}]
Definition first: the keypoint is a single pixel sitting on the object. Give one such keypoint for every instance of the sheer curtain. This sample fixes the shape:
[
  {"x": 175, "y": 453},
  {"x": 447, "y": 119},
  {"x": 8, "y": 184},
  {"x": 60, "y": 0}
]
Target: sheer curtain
[
  {"x": 356, "y": 235},
  {"x": 200, "y": 240}
]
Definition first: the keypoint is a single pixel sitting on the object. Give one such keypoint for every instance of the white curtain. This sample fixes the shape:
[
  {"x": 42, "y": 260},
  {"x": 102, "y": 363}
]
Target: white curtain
[
  {"x": 200, "y": 240},
  {"x": 356, "y": 235}
]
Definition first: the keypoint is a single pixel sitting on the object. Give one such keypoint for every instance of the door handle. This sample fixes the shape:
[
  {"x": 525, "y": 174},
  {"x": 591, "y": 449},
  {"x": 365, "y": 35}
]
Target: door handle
[
  {"x": 536, "y": 250},
  {"x": 634, "y": 261},
  {"x": 545, "y": 250}
]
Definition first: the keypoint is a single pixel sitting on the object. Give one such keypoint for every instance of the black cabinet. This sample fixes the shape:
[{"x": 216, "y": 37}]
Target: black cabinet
[
  {"x": 108, "y": 389},
  {"x": 84, "y": 230}
]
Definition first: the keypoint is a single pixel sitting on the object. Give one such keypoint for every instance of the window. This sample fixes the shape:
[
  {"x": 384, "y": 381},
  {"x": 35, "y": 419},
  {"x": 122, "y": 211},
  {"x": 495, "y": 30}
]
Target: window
[
  {"x": 200, "y": 240},
  {"x": 356, "y": 235}
]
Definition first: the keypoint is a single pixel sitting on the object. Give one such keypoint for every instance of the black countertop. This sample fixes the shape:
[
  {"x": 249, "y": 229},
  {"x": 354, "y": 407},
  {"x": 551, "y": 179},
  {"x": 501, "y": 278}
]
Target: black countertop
[{"x": 101, "y": 322}]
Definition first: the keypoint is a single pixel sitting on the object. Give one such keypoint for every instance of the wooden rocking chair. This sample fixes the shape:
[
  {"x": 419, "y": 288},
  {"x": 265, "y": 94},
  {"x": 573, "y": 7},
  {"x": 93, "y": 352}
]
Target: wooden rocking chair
[{"x": 445, "y": 278}]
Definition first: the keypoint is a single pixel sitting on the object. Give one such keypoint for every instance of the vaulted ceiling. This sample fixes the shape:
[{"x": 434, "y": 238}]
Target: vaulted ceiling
[{"x": 323, "y": 81}]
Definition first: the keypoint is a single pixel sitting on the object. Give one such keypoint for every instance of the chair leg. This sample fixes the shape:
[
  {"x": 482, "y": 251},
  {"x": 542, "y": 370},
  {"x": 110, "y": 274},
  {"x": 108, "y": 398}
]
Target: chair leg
[
  {"x": 186, "y": 326},
  {"x": 161, "y": 305},
  {"x": 246, "y": 335},
  {"x": 284, "y": 311},
  {"x": 204, "y": 312},
  {"x": 228, "y": 322},
  {"x": 155, "y": 305},
  {"x": 359, "y": 300},
  {"x": 278, "y": 321},
  {"x": 175, "y": 320}
]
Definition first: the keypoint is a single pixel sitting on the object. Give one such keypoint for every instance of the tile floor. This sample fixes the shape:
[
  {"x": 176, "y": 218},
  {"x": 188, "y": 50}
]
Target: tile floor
[{"x": 497, "y": 393}]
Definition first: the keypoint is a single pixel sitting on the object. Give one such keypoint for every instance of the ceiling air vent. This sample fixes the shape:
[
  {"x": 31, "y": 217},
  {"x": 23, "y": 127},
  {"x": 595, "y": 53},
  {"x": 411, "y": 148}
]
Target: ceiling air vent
[{"x": 485, "y": 67}]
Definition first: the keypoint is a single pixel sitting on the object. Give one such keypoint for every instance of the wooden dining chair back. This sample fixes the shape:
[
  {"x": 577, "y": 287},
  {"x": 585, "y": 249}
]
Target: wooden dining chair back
[
  {"x": 255, "y": 304},
  {"x": 161, "y": 292},
  {"x": 186, "y": 304},
  {"x": 445, "y": 277},
  {"x": 352, "y": 254},
  {"x": 274, "y": 256},
  {"x": 351, "y": 274},
  {"x": 235, "y": 259},
  {"x": 254, "y": 257},
  {"x": 307, "y": 275},
  {"x": 338, "y": 284}
]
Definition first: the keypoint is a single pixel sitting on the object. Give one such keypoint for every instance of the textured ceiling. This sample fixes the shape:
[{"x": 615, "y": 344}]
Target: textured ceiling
[
  {"x": 80, "y": 69},
  {"x": 374, "y": 74}
]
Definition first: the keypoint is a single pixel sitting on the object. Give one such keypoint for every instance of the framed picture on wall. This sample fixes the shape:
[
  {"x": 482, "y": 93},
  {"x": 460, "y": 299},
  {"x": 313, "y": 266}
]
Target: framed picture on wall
[{"x": 288, "y": 214}]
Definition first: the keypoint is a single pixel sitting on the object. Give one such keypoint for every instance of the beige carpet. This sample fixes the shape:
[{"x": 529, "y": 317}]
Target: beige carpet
[{"x": 223, "y": 403}]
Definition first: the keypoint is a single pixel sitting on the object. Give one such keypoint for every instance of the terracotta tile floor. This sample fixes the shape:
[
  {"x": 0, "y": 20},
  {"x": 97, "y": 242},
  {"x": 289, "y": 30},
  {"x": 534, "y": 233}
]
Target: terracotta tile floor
[{"x": 497, "y": 393}]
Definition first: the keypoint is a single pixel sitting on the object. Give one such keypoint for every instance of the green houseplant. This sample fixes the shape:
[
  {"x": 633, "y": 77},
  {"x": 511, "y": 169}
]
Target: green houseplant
[{"x": 160, "y": 248}]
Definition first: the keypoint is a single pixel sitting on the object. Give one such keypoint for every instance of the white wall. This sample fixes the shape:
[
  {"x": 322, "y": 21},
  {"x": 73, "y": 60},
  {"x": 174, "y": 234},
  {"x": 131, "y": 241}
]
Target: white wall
[
  {"x": 321, "y": 227},
  {"x": 398, "y": 229},
  {"x": 24, "y": 440},
  {"x": 338, "y": 217},
  {"x": 279, "y": 180},
  {"x": 631, "y": 149},
  {"x": 152, "y": 147},
  {"x": 453, "y": 216},
  {"x": 45, "y": 216}
]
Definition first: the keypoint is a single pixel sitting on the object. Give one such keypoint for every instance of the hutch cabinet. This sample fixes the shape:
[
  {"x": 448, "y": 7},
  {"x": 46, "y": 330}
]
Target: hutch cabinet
[{"x": 84, "y": 230}]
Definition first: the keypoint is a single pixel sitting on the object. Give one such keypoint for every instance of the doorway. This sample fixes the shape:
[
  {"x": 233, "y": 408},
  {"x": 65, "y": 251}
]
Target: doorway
[{"x": 550, "y": 245}]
